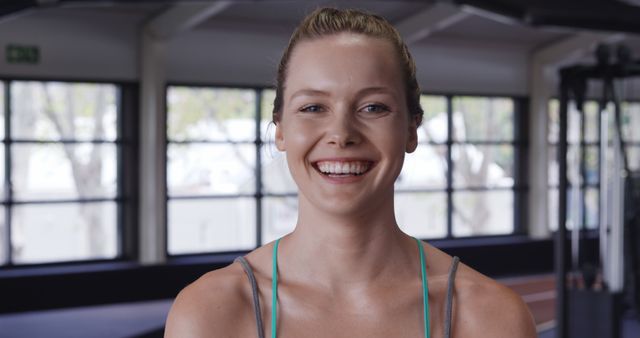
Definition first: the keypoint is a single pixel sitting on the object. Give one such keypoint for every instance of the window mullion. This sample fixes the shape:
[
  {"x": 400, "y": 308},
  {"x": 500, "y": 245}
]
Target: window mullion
[
  {"x": 8, "y": 190},
  {"x": 258, "y": 169},
  {"x": 520, "y": 148},
  {"x": 450, "y": 164}
]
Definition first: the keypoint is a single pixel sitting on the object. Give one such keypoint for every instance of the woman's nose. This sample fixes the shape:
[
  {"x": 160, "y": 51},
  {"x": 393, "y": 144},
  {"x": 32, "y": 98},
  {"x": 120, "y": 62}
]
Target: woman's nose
[{"x": 343, "y": 131}]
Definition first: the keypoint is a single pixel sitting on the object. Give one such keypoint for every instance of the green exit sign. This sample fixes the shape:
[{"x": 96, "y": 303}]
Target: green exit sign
[{"x": 23, "y": 54}]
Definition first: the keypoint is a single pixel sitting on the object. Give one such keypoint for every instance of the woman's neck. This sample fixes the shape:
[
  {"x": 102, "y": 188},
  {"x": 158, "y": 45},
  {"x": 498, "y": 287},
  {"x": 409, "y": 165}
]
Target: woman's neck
[{"x": 338, "y": 251}]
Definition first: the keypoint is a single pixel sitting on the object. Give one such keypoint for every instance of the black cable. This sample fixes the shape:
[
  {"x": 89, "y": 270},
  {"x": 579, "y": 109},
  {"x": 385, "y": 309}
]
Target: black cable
[{"x": 618, "y": 123}]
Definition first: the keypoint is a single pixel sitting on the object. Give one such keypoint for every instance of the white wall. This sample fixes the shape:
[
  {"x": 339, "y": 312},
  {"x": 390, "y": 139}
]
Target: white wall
[
  {"x": 225, "y": 57},
  {"x": 469, "y": 67},
  {"x": 93, "y": 45}
]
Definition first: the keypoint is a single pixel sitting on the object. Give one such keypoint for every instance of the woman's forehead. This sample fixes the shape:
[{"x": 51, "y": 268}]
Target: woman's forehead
[
  {"x": 343, "y": 44},
  {"x": 343, "y": 61}
]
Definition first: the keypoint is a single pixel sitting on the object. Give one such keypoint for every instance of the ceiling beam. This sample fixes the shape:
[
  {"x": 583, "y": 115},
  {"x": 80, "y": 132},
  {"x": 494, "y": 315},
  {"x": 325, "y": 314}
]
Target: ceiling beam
[
  {"x": 632, "y": 2},
  {"x": 182, "y": 17},
  {"x": 572, "y": 48},
  {"x": 10, "y": 9},
  {"x": 437, "y": 17},
  {"x": 507, "y": 17}
]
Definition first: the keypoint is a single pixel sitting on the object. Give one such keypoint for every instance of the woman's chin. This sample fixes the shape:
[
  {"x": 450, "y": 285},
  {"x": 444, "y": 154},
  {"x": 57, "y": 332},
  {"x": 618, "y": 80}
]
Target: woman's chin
[{"x": 348, "y": 207}]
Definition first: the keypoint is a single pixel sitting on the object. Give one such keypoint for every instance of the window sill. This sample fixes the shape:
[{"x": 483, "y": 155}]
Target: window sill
[{"x": 29, "y": 288}]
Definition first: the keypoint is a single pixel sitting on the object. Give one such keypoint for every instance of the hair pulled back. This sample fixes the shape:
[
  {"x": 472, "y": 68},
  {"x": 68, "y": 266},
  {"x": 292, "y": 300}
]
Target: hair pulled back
[{"x": 330, "y": 21}]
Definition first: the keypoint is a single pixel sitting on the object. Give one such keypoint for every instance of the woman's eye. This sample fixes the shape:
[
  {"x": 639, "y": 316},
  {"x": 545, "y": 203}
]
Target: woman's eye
[
  {"x": 375, "y": 108},
  {"x": 312, "y": 108}
]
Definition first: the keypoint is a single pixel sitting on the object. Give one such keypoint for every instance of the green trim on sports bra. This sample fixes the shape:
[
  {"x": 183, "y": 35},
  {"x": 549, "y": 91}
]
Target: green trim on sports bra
[
  {"x": 425, "y": 290},
  {"x": 274, "y": 287}
]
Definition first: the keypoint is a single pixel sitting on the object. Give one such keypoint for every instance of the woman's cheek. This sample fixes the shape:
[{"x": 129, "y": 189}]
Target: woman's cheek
[
  {"x": 392, "y": 135},
  {"x": 299, "y": 138},
  {"x": 303, "y": 131}
]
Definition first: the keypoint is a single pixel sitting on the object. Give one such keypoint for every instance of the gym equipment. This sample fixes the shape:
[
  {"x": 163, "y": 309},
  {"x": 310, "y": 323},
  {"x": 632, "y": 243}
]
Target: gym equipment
[{"x": 595, "y": 292}]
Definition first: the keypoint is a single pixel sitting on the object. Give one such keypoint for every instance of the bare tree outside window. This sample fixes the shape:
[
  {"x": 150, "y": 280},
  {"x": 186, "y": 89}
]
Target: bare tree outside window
[
  {"x": 64, "y": 149},
  {"x": 420, "y": 199},
  {"x": 482, "y": 155},
  {"x": 211, "y": 156},
  {"x": 485, "y": 160}
]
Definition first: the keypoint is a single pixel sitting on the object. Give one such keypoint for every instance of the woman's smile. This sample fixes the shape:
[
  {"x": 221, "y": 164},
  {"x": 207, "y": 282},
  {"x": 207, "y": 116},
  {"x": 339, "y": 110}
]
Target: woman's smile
[{"x": 343, "y": 170}]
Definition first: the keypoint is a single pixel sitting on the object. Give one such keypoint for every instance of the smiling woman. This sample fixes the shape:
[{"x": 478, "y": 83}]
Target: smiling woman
[{"x": 346, "y": 111}]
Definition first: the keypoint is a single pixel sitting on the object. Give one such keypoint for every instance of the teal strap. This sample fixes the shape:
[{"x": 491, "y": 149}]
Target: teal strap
[
  {"x": 425, "y": 290},
  {"x": 274, "y": 287}
]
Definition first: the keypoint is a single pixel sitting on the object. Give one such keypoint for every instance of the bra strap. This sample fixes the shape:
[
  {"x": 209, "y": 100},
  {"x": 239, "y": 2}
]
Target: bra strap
[
  {"x": 254, "y": 290},
  {"x": 425, "y": 290},
  {"x": 449, "y": 304},
  {"x": 274, "y": 288}
]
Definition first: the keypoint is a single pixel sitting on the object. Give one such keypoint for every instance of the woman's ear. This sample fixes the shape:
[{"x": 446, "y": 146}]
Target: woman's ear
[
  {"x": 280, "y": 144},
  {"x": 412, "y": 137}
]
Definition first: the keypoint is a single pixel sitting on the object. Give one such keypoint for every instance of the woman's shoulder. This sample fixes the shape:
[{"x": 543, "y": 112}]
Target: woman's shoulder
[
  {"x": 484, "y": 305},
  {"x": 481, "y": 304},
  {"x": 215, "y": 304}
]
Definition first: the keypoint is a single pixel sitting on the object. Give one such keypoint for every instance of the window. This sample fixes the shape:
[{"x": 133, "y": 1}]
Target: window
[
  {"x": 211, "y": 169},
  {"x": 630, "y": 127},
  {"x": 421, "y": 188},
  {"x": 583, "y": 158},
  {"x": 60, "y": 172},
  {"x": 229, "y": 188},
  {"x": 462, "y": 177},
  {"x": 280, "y": 202}
]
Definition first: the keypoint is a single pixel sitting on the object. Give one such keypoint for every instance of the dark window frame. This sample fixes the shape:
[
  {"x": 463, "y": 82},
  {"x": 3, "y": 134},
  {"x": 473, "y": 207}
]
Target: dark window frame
[{"x": 125, "y": 198}]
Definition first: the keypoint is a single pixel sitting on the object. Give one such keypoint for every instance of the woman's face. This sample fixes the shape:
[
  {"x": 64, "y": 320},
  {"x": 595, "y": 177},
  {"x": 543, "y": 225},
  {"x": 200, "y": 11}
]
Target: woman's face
[{"x": 344, "y": 124}]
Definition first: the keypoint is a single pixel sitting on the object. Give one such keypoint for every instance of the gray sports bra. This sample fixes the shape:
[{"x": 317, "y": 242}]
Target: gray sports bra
[{"x": 258, "y": 314}]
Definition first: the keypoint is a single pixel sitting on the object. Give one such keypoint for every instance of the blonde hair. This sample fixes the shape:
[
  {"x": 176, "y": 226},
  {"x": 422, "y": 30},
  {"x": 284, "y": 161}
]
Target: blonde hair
[{"x": 330, "y": 21}]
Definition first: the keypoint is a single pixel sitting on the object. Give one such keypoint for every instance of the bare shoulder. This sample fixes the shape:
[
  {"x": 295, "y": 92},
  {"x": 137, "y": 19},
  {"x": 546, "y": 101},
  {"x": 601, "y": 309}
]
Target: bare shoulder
[
  {"x": 215, "y": 305},
  {"x": 484, "y": 305}
]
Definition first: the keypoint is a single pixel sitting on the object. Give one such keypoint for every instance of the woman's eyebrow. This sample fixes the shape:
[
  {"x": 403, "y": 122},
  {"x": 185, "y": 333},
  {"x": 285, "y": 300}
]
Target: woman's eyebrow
[
  {"x": 309, "y": 92},
  {"x": 362, "y": 92},
  {"x": 377, "y": 90}
]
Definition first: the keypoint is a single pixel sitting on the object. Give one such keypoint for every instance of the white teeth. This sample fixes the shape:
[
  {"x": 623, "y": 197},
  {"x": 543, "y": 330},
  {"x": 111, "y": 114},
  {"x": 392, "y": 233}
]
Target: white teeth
[
  {"x": 345, "y": 168},
  {"x": 342, "y": 168}
]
